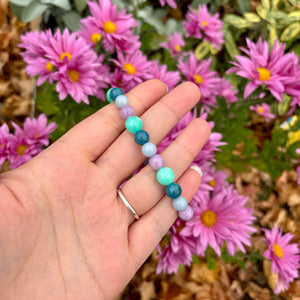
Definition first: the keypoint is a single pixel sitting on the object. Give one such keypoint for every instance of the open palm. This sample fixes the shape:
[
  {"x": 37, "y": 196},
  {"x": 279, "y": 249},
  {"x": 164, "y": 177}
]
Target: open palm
[{"x": 64, "y": 232}]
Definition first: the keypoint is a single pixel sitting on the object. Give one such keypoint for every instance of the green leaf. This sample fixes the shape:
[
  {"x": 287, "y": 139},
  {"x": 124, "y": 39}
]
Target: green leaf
[
  {"x": 21, "y": 2},
  {"x": 284, "y": 106},
  {"x": 272, "y": 34},
  {"x": 202, "y": 50},
  {"x": 293, "y": 16},
  {"x": 274, "y": 4},
  {"x": 29, "y": 13},
  {"x": 290, "y": 32},
  {"x": 230, "y": 44},
  {"x": 236, "y": 21},
  {"x": 244, "y": 5},
  {"x": 262, "y": 12},
  {"x": 196, "y": 259},
  {"x": 211, "y": 263},
  {"x": 252, "y": 17},
  {"x": 80, "y": 5},
  {"x": 266, "y": 4},
  {"x": 63, "y": 4},
  {"x": 72, "y": 20}
]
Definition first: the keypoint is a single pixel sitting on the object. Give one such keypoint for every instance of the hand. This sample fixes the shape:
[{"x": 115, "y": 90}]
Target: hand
[{"x": 64, "y": 232}]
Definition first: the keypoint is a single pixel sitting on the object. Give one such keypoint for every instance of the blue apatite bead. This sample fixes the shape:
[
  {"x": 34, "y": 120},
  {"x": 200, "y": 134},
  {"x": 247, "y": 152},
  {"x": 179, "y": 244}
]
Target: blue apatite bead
[
  {"x": 173, "y": 190},
  {"x": 115, "y": 92},
  {"x": 149, "y": 149},
  {"x": 180, "y": 203},
  {"x": 133, "y": 124},
  {"x": 121, "y": 101},
  {"x": 165, "y": 176},
  {"x": 141, "y": 137}
]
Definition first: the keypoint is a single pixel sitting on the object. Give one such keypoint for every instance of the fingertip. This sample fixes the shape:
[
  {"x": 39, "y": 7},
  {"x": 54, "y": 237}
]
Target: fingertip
[{"x": 193, "y": 89}]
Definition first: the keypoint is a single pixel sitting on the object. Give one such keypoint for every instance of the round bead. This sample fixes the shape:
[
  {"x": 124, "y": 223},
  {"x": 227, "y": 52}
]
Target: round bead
[
  {"x": 108, "y": 95},
  {"x": 149, "y": 149},
  {"x": 126, "y": 112},
  {"x": 121, "y": 101},
  {"x": 180, "y": 203},
  {"x": 134, "y": 124},
  {"x": 165, "y": 176},
  {"x": 187, "y": 214},
  {"x": 173, "y": 190},
  {"x": 156, "y": 162},
  {"x": 115, "y": 92},
  {"x": 141, "y": 137}
]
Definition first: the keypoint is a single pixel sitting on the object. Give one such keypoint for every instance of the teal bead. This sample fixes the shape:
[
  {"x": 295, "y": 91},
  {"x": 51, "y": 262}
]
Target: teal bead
[
  {"x": 165, "y": 176},
  {"x": 134, "y": 124},
  {"x": 108, "y": 95}
]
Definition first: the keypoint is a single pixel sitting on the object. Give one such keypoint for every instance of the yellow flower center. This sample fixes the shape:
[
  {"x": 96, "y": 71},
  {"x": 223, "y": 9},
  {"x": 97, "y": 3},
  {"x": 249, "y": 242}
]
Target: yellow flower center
[
  {"x": 212, "y": 183},
  {"x": 278, "y": 250},
  {"x": 129, "y": 68},
  {"x": 198, "y": 79},
  {"x": 203, "y": 23},
  {"x": 96, "y": 37},
  {"x": 2, "y": 145},
  {"x": 264, "y": 74},
  {"x": 177, "y": 48},
  {"x": 65, "y": 54},
  {"x": 208, "y": 218},
  {"x": 74, "y": 75},
  {"x": 260, "y": 109},
  {"x": 21, "y": 149},
  {"x": 109, "y": 27},
  {"x": 49, "y": 67}
]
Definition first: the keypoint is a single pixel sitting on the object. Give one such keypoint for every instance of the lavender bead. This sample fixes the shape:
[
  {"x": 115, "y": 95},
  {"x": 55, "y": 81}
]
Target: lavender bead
[
  {"x": 187, "y": 214},
  {"x": 126, "y": 112},
  {"x": 156, "y": 162}
]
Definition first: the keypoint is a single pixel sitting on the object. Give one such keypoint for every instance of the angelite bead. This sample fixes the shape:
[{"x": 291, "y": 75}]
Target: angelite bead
[
  {"x": 121, "y": 101},
  {"x": 165, "y": 176},
  {"x": 133, "y": 124},
  {"x": 108, "y": 95},
  {"x": 180, "y": 203},
  {"x": 141, "y": 137},
  {"x": 156, "y": 162},
  {"x": 115, "y": 92},
  {"x": 149, "y": 149},
  {"x": 126, "y": 112},
  {"x": 173, "y": 190},
  {"x": 187, "y": 214}
]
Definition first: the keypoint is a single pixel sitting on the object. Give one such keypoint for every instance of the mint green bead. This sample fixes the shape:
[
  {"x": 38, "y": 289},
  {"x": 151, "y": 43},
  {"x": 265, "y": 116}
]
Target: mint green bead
[
  {"x": 108, "y": 95},
  {"x": 165, "y": 176},
  {"x": 134, "y": 124}
]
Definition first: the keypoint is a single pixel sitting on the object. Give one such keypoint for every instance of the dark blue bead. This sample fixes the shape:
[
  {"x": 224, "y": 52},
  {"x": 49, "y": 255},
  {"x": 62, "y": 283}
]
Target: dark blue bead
[
  {"x": 115, "y": 92},
  {"x": 173, "y": 190},
  {"x": 141, "y": 137}
]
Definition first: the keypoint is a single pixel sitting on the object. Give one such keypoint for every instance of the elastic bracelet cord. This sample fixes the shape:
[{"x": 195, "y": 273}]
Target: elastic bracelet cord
[{"x": 164, "y": 175}]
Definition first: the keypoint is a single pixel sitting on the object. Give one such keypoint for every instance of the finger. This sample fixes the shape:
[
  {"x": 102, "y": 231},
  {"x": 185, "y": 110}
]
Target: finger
[
  {"x": 143, "y": 191},
  {"x": 94, "y": 134},
  {"x": 125, "y": 155},
  {"x": 157, "y": 221}
]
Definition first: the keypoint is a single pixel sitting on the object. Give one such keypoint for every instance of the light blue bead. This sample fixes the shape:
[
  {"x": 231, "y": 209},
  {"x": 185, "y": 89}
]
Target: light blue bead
[
  {"x": 121, "y": 101},
  {"x": 134, "y": 124},
  {"x": 149, "y": 149},
  {"x": 165, "y": 176},
  {"x": 180, "y": 203}
]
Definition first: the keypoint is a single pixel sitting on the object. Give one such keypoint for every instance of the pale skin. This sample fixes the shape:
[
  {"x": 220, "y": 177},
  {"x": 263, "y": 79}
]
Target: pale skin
[{"x": 64, "y": 232}]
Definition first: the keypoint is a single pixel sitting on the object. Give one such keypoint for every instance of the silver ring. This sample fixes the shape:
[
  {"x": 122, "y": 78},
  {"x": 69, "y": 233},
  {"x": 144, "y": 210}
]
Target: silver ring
[{"x": 127, "y": 204}]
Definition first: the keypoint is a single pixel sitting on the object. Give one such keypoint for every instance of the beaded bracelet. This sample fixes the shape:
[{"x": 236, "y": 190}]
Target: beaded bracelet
[{"x": 165, "y": 176}]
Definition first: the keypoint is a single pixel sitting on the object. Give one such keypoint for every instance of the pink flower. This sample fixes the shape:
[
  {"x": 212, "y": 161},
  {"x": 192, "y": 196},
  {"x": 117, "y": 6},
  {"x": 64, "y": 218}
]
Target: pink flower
[
  {"x": 4, "y": 138},
  {"x": 202, "y": 24},
  {"x": 134, "y": 67},
  {"x": 222, "y": 218},
  {"x": 263, "y": 110},
  {"x": 284, "y": 256},
  {"x": 199, "y": 72},
  {"x": 226, "y": 91},
  {"x": 174, "y": 44},
  {"x": 114, "y": 27},
  {"x": 170, "y": 78},
  {"x": 265, "y": 68},
  {"x": 37, "y": 131},
  {"x": 171, "y": 3}
]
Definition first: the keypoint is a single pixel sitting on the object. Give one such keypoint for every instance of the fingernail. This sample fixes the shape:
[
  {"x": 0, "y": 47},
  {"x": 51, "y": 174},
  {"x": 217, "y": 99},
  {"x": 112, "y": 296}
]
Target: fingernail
[
  {"x": 197, "y": 169},
  {"x": 167, "y": 88}
]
